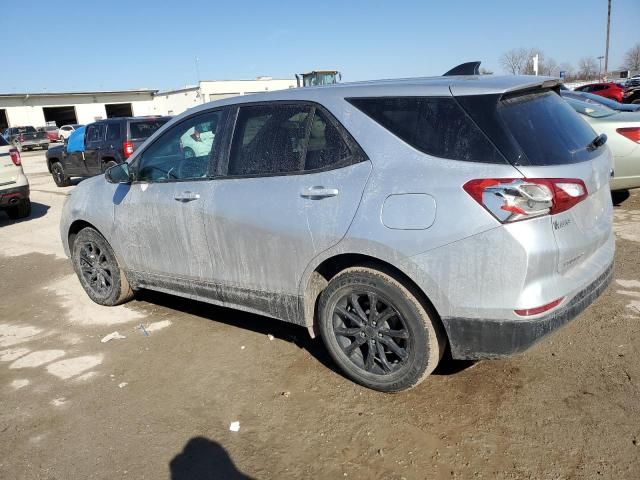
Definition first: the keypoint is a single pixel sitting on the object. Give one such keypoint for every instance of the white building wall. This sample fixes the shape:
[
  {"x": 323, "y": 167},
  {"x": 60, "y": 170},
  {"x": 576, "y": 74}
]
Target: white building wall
[
  {"x": 25, "y": 116},
  {"x": 142, "y": 108},
  {"x": 175, "y": 102},
  {"x": 90, "y": 112}
]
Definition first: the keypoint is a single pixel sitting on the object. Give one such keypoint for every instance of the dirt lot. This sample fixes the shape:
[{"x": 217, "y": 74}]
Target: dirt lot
[{"x": 160, "y": 406}]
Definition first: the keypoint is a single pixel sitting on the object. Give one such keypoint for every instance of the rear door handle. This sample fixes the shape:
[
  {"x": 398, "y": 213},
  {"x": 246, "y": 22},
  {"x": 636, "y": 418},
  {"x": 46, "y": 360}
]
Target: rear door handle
[
  {"x": 319, "y": 192},
  {"x": 187, "y": 197}
]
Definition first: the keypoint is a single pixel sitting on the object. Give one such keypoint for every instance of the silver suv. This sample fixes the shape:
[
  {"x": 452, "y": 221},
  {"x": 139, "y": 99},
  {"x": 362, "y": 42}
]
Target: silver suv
[{"x": 395, "y": 218}]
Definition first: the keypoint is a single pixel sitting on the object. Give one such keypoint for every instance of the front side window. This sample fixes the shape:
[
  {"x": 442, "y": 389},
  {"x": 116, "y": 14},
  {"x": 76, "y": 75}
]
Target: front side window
[
  {"x": 95, "y": 133},
  {"x": 184, "y": 152}
]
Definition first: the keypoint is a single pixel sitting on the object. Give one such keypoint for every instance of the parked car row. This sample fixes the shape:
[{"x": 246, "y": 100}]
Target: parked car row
[
  {"x": 394, "y": 219},
  {"x": 623, "y": 94},
  {"x": 93, "y": 148}
]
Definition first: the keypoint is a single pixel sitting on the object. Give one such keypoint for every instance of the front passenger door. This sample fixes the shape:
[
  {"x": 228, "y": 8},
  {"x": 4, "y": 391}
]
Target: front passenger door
[{"x": 161, "y": 211}]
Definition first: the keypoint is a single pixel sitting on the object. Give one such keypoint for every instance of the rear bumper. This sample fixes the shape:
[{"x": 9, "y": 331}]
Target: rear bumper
[
  {"x": 472, "y": 338},
  {"x": 12, "y": 196}
]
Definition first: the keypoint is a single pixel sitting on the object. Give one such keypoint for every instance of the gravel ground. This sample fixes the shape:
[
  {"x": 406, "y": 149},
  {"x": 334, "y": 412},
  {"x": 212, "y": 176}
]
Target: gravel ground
[{"x": 160, "y": 405}]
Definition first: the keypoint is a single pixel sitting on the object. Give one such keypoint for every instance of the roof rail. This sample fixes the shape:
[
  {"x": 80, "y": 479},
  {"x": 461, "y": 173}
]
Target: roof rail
[{"x": 468, "y": 68}]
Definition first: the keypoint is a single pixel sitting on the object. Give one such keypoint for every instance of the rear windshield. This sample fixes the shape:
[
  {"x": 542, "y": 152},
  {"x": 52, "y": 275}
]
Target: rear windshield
[
  {"x": 144, "y": 129},
  {"x": 24, "y": 129},
  {"x": 434, "y": 125},
  {"x": 50, "y": 129},
  {"x": 3, "y": 142},
  {"x": 546, "y": 128}
]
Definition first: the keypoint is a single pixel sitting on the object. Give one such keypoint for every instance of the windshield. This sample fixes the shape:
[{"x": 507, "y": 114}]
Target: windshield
[
  {"x": 145, "y": 128},
  {"x": 590, "y": 108}
]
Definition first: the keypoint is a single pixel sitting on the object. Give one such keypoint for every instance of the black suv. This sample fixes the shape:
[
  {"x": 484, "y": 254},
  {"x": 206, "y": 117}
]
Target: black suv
[{"x": 106, "y": 143}]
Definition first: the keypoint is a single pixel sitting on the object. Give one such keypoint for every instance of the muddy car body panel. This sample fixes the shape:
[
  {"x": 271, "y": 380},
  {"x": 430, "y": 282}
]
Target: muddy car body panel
[{"x": 263, "y": 243}]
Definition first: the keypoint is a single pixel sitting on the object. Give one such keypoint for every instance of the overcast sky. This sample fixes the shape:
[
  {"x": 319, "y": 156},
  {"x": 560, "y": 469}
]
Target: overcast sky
[{"x": 116, "y": 44}]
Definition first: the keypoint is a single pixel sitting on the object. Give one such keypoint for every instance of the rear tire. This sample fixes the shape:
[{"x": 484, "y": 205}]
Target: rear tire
[
  {"x": 98, "y": 270},
  {"x": 404, "y": 339},
  {"x": 59, "y": 176},
  {"x": 22, "y": 210}
]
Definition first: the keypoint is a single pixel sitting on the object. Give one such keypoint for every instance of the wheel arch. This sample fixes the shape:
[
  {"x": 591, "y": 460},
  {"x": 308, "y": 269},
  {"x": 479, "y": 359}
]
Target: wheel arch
[
  {"x": 75, "y": 228},
  {"x": 330, "y": 267}
]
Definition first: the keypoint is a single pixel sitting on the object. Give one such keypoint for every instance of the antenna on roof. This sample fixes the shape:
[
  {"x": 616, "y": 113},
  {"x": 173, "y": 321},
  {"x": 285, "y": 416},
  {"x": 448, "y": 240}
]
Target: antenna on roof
[{"x": 468, "y": 68}]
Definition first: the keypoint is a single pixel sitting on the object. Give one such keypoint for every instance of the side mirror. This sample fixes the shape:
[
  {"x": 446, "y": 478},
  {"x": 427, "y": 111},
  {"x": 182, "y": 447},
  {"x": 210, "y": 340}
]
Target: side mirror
[{"x": 118, "y": 173}]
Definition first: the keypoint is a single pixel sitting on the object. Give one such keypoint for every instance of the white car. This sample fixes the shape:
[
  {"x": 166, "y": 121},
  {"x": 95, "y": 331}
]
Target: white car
[
  {"x": 14, "y": 186},
  {"x": 197, "y": 141},
  {"x": 66, "y": 130}
]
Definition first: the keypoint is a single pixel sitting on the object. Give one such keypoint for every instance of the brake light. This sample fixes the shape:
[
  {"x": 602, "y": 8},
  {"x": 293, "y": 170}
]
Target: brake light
[
  {"x": 514, "y": 199},
  {"x": 632, "y": 133},
  {"x": 15, "y": 157},
  {"x": 128, "y": 149},
  {"x": 537, "y": 310},
  {"x": 21, "y": 138}
]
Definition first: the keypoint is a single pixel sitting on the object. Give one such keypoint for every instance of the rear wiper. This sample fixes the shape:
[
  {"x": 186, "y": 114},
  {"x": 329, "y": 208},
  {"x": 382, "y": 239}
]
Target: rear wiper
[{"x": 597, "y": 142}]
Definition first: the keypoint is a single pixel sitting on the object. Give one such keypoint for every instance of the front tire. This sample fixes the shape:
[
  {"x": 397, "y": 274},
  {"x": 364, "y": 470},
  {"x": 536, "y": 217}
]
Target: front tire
[
  {"x": 22, "y": 210},
  {"x": 391, "y": 347},
  {"x": 59, "y": 176},
  {"x": 98, "y": 270}
]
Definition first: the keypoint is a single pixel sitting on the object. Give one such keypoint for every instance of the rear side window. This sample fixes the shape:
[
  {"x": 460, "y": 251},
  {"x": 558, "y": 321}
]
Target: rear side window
[
  {"x": 113, "y": 131},
  {"x": 546, "y": 128},
  {"x": 269, "y": 140},
  {"x": 434, "y": 125},
  {"x": 144, "y": 129},
  {"x": 278, "y": 139}
]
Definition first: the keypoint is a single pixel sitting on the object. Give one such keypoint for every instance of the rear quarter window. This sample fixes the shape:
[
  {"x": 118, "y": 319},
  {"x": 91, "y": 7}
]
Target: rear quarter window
[{"x": 434, "y": 125}]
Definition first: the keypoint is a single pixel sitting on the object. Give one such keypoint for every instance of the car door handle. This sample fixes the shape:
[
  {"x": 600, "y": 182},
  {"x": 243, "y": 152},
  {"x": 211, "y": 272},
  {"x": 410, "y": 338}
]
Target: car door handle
[
  {"x": 187, "y": 197},
  {"x": 318, "y": 192}
]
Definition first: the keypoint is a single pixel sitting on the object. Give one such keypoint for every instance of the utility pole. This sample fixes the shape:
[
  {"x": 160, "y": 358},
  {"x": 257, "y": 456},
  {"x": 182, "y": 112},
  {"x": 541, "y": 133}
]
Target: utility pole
[{"x": 606, "y": 52}]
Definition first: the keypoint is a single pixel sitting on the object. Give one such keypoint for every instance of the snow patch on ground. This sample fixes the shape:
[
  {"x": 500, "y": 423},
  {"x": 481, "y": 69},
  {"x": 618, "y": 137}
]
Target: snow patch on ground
[
  {"x": 13, "y": 353},
  {"x": 70, "y": 367},
  {"x": 58, "y": 402},
  {"x": 83, "y": 311},
  {"x": 86, "y": 376},
  {"x": 155, "y": 326},
  {"x": 628, "y": 283},
  {"x": 627, "y": 225},
  {"x": 15, "y": 334},
  {"x": 35, "y": 359},
  {"x": 20, "y": 383}
]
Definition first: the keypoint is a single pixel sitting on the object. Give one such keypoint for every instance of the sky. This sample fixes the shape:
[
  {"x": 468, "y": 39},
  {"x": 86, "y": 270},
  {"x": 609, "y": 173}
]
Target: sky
[{"x": 115, "y": 44}]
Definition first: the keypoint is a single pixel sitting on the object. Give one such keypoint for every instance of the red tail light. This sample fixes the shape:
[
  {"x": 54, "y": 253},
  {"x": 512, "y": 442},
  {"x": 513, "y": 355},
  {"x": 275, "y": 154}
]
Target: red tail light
[
  {"x": 21, "y": 138},
  {"x": 128, "y": 149},
  {"x": 514, "y": 199},
  {"x": 535, "y": 311},
  {"x": 632, "y": 133},
  {"x": 15, "y": 157}
]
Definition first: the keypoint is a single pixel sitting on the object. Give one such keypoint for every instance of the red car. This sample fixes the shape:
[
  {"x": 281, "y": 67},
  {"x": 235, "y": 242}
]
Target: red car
[
  {"x": 608, "y": 90},
  {"x": 52, "y": 133}
]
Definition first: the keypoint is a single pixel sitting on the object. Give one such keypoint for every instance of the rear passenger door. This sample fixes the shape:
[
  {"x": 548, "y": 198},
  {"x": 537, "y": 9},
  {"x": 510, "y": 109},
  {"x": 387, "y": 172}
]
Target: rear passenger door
[
  {"x": 289, "y": 190},
  {"x": 93, "y": 144}
]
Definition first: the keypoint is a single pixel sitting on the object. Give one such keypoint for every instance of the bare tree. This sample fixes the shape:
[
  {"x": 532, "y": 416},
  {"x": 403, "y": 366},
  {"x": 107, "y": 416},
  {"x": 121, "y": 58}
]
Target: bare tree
[
  {"x": 632, "y": 58},
  {"x": 568, "y": 70},
  {"x": 514, "y": 61},
  {"x": 550, "y": 67},
  {"x": 587, "y": 66}
]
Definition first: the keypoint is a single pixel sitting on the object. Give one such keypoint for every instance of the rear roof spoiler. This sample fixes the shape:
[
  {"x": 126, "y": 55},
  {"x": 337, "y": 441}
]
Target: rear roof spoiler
[{"x": 469, "y": 68}]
